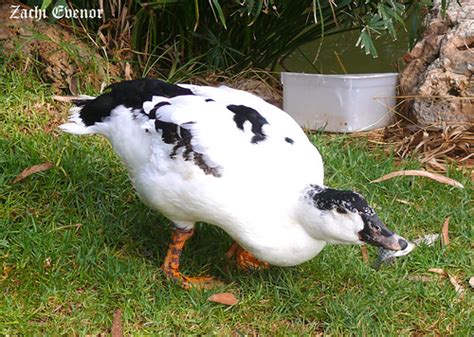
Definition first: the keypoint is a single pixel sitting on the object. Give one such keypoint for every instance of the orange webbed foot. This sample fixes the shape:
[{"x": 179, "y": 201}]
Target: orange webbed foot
[
  {"x": 187, "y": 282},
  {"x": 244, "y": 259},
  {"x": 170, "y": 266}
]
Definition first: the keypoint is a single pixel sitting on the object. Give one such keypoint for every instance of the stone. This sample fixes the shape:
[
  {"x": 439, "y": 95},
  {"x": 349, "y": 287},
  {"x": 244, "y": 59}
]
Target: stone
[{"x": 439, "y": 70}]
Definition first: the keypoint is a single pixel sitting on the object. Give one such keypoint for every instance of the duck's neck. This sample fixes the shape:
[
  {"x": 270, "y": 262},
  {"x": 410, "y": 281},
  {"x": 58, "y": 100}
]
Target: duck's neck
[
  {"x": 317, "y": 213},
  {"x": 277, "y": 239}
]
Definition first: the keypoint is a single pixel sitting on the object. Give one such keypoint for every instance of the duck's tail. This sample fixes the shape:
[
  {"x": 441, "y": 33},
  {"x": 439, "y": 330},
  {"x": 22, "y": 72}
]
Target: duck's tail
[
  {"x": 77, "y": 124},
  {"x": 89, "y": 113}
]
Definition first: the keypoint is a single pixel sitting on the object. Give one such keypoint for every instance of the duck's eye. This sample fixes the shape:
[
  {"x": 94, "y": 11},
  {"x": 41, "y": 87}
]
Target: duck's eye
[
  {"x": 376, "y": 227},
  {"x": 341, "y": 210}
]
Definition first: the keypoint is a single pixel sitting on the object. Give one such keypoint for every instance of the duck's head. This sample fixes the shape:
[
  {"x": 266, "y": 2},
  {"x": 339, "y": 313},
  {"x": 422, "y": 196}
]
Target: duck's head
[{"x": 340, "y": 216}]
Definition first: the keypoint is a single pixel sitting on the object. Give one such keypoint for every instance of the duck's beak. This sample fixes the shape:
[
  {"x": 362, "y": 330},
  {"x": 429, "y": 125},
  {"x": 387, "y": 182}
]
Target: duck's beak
[{"x": 376, "y": 233}]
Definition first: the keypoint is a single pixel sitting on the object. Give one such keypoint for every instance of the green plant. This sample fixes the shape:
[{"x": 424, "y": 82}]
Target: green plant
[{"x": 233, "y": 35}]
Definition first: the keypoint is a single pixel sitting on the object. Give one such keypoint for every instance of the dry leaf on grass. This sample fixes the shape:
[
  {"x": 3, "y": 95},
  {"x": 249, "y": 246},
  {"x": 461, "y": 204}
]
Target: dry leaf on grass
[
  {"x": 365, "y": 254},
  {"x": 438, "y": 271},
  {"x": 444, "y": 233},
  {"x": 422, "y": 278},
  {"x": 66, "y": 99},
  {"x": 457, "y": 286},
  {"x": 77, "y": 226},
  {"x": 403, "y": 201},
  {"x": 117, "y": 324},
  {"x": 223, "y": 298},
  {"x": 420, "y": 173},
  {"x": 31, "y": 170}
]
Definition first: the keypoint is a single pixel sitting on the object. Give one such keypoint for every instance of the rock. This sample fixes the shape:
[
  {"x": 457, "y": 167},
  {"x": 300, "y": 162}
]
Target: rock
[{"x": 440, "y": 67}]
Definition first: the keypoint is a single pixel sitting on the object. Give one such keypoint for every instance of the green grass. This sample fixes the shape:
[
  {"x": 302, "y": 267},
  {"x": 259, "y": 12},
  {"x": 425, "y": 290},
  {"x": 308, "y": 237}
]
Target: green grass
[{"x": 76, "y": 244}]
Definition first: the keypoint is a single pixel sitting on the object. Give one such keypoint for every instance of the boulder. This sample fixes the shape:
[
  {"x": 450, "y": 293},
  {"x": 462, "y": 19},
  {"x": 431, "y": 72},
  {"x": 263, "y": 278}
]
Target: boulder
[{"x": 438, "y": 78}]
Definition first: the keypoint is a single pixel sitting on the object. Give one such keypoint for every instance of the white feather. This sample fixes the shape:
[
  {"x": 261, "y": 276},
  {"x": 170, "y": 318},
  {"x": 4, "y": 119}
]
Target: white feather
[{"x": 76, "y": 125}]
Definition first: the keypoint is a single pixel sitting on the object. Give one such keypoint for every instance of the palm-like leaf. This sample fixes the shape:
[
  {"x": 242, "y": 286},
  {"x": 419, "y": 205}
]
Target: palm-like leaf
[{"x": 234, "y": 35}]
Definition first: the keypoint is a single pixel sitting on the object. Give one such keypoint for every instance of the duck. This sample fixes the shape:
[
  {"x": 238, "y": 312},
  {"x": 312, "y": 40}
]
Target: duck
[{"x": 225, "y": 157}]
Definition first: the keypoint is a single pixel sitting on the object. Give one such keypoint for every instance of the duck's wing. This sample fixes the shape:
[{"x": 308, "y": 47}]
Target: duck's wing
[{"x": 224, "y": 131}]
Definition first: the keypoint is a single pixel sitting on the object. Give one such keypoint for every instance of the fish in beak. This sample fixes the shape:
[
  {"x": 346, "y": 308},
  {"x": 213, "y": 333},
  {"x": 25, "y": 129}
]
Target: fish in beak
[{"x": 376, "y": 233}]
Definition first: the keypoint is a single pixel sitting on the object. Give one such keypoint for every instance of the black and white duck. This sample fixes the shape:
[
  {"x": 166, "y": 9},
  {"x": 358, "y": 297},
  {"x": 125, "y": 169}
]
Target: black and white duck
[{"x": 228, "y": 158}]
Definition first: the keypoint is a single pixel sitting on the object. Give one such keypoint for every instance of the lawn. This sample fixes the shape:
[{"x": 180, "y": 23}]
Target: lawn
[{"x": 76, "y": 244}]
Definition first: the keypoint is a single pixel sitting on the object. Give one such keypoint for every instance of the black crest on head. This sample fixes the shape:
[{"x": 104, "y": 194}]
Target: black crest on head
[{"x": 341, "y": 200}]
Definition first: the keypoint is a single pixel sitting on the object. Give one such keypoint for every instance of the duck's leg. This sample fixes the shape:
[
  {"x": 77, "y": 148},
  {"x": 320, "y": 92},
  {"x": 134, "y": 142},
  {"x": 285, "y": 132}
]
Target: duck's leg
[
  {"x": 170, "y": 266},
  {"x": 244, "y": 259}
]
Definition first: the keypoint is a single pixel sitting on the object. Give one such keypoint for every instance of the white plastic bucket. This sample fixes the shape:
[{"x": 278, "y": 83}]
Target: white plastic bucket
[{"x": 340, "y": 103}]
